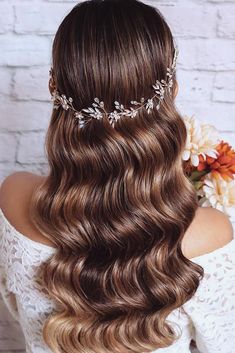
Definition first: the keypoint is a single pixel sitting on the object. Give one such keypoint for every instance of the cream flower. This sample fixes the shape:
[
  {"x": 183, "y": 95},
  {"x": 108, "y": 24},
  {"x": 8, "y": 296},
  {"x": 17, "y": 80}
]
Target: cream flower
[
  {"x": 201, "y": 139},
  {"x": 217, "y": 193}
]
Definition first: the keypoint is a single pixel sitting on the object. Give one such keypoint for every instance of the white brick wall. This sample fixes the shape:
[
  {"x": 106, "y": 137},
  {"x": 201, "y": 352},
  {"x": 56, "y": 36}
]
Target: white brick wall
[{"x": 205, "y": 33}]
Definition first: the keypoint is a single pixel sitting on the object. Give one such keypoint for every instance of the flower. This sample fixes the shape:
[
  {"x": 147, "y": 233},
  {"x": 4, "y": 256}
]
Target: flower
[
  {"x": 224, "y": 163},
  {"x": 149, "y": 105},
  {"x": 202, "y": 139},
  {"x": 209, "y": 163},
  {"x": 114, "y": 116},
  {"x": 217, "y": 192},
  {"x": 94, "y": 112}
]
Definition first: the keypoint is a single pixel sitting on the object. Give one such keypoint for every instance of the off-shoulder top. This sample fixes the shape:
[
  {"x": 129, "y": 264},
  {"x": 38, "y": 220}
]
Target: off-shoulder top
[{"x": 208, "y": 317}]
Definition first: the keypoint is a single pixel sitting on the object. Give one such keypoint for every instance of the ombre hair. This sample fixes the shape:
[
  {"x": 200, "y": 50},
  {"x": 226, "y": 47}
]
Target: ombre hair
[{"x": 117, "y": 202}]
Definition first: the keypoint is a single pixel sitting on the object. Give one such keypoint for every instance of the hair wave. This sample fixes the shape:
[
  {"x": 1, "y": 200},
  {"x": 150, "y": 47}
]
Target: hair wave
[{"x": 116, "y": 202}]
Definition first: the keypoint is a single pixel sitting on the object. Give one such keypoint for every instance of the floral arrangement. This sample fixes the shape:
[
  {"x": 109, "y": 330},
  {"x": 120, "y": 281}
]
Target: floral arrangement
[{"x": 210, "y": 165}]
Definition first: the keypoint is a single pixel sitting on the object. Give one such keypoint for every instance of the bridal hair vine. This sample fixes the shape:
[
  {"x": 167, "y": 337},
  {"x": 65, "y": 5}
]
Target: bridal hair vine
[{"x": 97, "y": 110}]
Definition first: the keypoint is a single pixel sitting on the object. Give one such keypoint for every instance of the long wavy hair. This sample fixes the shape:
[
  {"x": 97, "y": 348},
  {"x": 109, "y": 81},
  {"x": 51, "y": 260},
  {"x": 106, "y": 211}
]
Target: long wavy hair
[{"x": 117, "y": 202}]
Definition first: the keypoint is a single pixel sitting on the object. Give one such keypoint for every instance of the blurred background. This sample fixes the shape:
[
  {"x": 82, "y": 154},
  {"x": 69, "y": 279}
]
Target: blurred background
[{"x": 205, "y": 33}]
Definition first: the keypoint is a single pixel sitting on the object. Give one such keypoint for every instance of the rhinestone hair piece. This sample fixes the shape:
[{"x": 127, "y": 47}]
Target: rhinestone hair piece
[{"x": 97, "y": 110}]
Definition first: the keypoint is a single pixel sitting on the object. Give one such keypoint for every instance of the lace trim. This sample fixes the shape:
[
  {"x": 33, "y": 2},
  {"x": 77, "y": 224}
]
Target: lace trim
[
  {"x": 211, "y": 311},
  {"x": 23, "y": 237},
  {"x": 227, "y": 247}
]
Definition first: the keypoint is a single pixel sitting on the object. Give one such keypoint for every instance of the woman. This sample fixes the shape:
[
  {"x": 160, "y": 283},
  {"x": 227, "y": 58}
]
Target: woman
[{"x": 110, "y": 252}]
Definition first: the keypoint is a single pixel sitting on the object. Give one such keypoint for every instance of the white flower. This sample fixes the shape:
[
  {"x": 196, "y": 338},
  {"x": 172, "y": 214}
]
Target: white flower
[
  {"x": 134, "y": 102},
  {"x": 201, "y": 139},
  {"x": 133, "y": 113},
  {"x": 149, "y": 105},
  {"x": 119, "y": 106},
  {"x": 217, "y": 192},
  {"x": 130, "y": 112},
  {"x": 98, "y": 103},
  {"x": 78, "y": 115},
  {"x": 114, "y": 116},
  {"x": 94, "y": 113}
]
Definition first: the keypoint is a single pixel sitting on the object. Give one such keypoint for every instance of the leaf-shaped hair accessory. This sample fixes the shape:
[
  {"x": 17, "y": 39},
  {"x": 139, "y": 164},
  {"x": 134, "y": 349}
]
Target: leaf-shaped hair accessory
[{"x": 97, "y": 110}]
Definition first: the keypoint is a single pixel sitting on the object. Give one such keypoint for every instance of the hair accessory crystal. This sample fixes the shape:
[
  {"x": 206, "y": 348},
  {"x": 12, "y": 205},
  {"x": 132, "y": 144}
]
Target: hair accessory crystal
[{"x": 97, "y": 110}]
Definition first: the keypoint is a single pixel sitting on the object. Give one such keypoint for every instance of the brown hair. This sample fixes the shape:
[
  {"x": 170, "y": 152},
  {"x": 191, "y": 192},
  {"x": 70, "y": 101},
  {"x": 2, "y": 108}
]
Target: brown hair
[{"x": 117, "y": 201}]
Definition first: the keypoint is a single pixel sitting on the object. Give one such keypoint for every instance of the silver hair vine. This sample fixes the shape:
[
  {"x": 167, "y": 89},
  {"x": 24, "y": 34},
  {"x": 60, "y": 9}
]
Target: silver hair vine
[{"x": 98, "y": 110}]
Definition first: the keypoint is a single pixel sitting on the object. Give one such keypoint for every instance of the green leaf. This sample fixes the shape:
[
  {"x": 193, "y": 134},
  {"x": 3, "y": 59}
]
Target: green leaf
[{"x": 196, "y": 175}]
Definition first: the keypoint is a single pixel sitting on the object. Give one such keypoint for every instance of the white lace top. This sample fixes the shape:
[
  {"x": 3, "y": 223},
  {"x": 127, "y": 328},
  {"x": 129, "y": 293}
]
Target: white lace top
[{"x": 208, "y": 317}]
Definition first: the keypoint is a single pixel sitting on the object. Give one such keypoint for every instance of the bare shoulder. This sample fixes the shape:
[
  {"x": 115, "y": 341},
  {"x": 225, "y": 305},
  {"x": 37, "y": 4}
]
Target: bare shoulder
[
  {"x": 17, "y": 183},
  {"x": 15, "y": 195},
  {"x": 210, "y": 229},
  {"x": 19, "y": 177},
  {"x": 15, "y": 191}
]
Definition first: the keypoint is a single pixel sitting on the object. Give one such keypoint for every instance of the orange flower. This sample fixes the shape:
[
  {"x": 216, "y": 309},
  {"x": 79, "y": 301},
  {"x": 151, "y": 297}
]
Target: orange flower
[{"x": 223, "y": 164}]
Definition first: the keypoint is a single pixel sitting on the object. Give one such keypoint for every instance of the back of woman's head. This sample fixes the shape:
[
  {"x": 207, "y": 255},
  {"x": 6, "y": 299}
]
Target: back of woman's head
[{"x": 116, "y": 202}]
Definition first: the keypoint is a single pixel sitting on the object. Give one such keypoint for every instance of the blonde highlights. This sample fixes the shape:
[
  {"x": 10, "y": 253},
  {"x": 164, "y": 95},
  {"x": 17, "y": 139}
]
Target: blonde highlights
[{"x": 117, "y": 202}]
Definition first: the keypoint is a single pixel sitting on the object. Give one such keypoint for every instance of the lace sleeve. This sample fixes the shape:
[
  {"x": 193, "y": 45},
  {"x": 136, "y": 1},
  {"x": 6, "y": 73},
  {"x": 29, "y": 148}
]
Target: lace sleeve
[
  {"x": 208, "y": 317},
  {"x": 8, "y": 297},
  {"x": 20, "y": 286},
  {"x": 212, "y": 309}
]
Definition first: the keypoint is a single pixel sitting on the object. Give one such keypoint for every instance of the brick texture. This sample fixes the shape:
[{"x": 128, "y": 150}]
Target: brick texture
[{"x": 205, "y": 33}]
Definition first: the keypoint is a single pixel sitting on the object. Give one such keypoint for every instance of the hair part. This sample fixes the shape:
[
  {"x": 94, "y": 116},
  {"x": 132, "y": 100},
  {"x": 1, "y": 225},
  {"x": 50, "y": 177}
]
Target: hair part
[{"x": 117, "y": 202}]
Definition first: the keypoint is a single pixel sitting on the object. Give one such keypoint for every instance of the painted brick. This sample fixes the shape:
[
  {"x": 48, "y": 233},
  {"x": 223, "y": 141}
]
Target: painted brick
[
  {"x": 6, "y": 17},
  {"x": 7, "y": 168},
  {"x": 5, "y": 81},
  {"x": 221, "y": 1},
  {"x": 38, "y": 18},
  {"x": 31, "y": 148},
  {"x": 226, "y": 26},
  {"x": 24, "y": 116},
  {"x": 224, "y": 88},
  {"x": 8, "y": 144},
  {"x": 221, "y": 115},
  {"x": 32, "y": 83},
  {"x": 24, "y": 50},
  {"x": 195, "y": 85},
  {"x": 186, "y": 23},
  {"x": 66, "y": 1},
  {"x": 228, "y": 137},
  {"x": 207, "y": 54}
]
